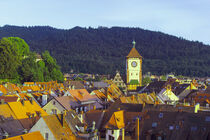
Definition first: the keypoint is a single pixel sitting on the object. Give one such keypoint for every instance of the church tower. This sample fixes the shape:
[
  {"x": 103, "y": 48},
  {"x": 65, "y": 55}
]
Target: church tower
[{"x": 134, "y": 68}]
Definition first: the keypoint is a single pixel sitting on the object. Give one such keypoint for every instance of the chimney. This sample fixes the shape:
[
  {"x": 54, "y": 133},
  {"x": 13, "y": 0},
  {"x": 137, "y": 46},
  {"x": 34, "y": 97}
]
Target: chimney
[
  {"x": 132, "y": 97},
  {"x": 94, "y": 126},
  {"x": 44, "y": 99},
  {"x": 197, "y": 107}
]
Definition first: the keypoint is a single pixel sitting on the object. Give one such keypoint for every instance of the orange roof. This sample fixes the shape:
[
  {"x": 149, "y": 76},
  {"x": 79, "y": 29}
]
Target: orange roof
[
  {"x": 3, "y": 89},
  {"x": 21, "y": 110},
  {"x": 60, "y": 132},
  {"x": 116, "y": 120},
  {"x": 29, "y": 136},
  {"x": 134, "y": 53},
  {"x": 28, "y": 83},
  {"x": 6, "y": 111},
  {"x": 81, "y": 94}
]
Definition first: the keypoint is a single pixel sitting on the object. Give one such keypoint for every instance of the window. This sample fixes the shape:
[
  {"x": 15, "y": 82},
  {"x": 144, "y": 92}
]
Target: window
[
  {"x": 53, "y": 102},
  {"x": 193, "y": 128},
  {"x": 161, "y": 115},
  {"x": 177, "y": 127},
  {"x": 171, "y": 127},
  {"x": 207, "y": 119},
  {"x": 154, "y": 124},
  {"x": 46, "y": 136}
]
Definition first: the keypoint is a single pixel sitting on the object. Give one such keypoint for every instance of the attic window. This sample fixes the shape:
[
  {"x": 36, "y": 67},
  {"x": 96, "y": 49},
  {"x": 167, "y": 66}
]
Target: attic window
[
  {"x": 161, "y": 115},
  {"x": 207, "y": 119},
  {"x": 154, "y": 124}
]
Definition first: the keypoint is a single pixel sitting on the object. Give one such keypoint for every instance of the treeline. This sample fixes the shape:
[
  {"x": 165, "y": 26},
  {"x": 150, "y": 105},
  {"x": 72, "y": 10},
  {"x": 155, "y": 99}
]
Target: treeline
[
  {"x": 104, "y": 50},
  {"x": 18, "y": 64}
]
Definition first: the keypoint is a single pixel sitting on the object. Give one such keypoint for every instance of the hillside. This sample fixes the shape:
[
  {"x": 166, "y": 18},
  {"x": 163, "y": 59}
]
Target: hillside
[{"x": 104, "y": 50}]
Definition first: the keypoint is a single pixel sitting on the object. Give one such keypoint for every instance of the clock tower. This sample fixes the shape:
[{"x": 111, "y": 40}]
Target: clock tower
[{"x": 134, "y": 68}]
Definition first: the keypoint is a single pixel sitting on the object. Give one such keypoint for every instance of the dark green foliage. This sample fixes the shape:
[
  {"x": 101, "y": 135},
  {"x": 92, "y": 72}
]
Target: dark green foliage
[
  {"x": 18, "y": 64},
  {"x": 146, "y": 81},
  {"x": 104, "y": 50},
  {"x": 10, "y": 60}
]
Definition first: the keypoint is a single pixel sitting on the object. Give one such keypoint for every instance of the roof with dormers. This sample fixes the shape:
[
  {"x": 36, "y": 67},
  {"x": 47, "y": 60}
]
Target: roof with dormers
[{"x": 134, "y": 53}]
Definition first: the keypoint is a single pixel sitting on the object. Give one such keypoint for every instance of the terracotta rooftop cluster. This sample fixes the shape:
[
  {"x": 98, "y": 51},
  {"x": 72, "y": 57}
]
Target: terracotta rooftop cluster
[{"x": 101, "y": 110}]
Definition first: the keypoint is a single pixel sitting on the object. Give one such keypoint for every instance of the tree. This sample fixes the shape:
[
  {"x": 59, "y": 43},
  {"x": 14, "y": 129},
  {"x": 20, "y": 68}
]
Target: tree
[
  {"x": 146, "y": 81},
  {"x": 10, "y": 60},
  {"x": 52, "y": 71}
]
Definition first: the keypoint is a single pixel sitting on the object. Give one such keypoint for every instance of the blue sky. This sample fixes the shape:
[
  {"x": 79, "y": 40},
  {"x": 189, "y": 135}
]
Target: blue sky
[{"x": 189, "y": 19}]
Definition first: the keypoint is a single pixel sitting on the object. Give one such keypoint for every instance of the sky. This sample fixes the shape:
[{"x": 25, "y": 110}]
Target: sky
[{"x": 189, "y": 19}]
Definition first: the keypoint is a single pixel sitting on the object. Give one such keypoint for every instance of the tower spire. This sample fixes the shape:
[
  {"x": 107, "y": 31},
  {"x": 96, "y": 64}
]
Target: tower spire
[{"x": 134, "y": 43}]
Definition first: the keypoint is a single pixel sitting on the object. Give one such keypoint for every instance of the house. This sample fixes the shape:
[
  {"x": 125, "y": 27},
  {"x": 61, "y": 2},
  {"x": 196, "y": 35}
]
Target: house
[
  {"x": 173, "y": 125},
  {"x": 58, "y": 105},
  {"x": 29, "y": 136},
  {"x": 9, "y": 124},
  {"x": 119, "y": 81},
  {"x": 85, "y": 101},
  {"x": 74, "y": 84},
  {"x": 53, "y": 127},
  {"x": 26, "y": 109}
]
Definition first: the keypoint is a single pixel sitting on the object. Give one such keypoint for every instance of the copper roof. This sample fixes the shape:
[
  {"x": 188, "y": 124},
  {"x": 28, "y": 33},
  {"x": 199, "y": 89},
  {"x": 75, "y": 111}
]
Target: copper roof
[{"x": 134, "y": 53}]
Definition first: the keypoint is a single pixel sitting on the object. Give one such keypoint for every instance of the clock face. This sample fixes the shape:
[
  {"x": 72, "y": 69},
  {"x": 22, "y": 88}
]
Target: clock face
[{"x": 134, "y": 64}]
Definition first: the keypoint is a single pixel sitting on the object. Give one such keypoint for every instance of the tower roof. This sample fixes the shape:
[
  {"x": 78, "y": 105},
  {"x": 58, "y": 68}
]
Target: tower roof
[{"x": 134, "y": 53}]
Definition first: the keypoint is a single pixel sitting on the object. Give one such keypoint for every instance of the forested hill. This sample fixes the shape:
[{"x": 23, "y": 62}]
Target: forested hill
[{"x": 104, "y": 50}]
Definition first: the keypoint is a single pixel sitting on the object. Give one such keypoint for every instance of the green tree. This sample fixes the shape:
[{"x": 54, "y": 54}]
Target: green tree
[
  {"x": 146, "y": 81},
  {"x": 52, "y": 70},
  {"x": 10, "y": 60}
]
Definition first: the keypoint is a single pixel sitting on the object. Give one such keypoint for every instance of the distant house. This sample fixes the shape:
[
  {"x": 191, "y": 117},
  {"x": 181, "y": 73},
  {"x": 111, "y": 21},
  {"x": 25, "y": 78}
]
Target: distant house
[
  {"x": 119, "y": 81},
  {"x": 59, "y": 105},
  {"x": 85, "y": 101}
]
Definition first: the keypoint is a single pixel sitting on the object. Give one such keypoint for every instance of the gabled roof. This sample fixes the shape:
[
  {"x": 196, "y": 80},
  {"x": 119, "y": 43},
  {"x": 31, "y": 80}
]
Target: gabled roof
[
  {"x": 82, "y": 94},
  {"x": 73, "y": 121},
  {"x": 65, "y": 101},
  {"x": 8, "y": 122},
  {"x": 22, "y": 110},
  {"x": 29, "y": 136},
  {"x": 116, "y": 121},
  {"x": 134, "y": 53},
  {"x": 58, "y": 127}
]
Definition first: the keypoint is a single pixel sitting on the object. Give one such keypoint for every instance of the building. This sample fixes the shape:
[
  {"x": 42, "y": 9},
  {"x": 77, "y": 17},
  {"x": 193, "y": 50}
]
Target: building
[
  {"x": 119, "y": 81},
  {"x": 134, "y": 69}
]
